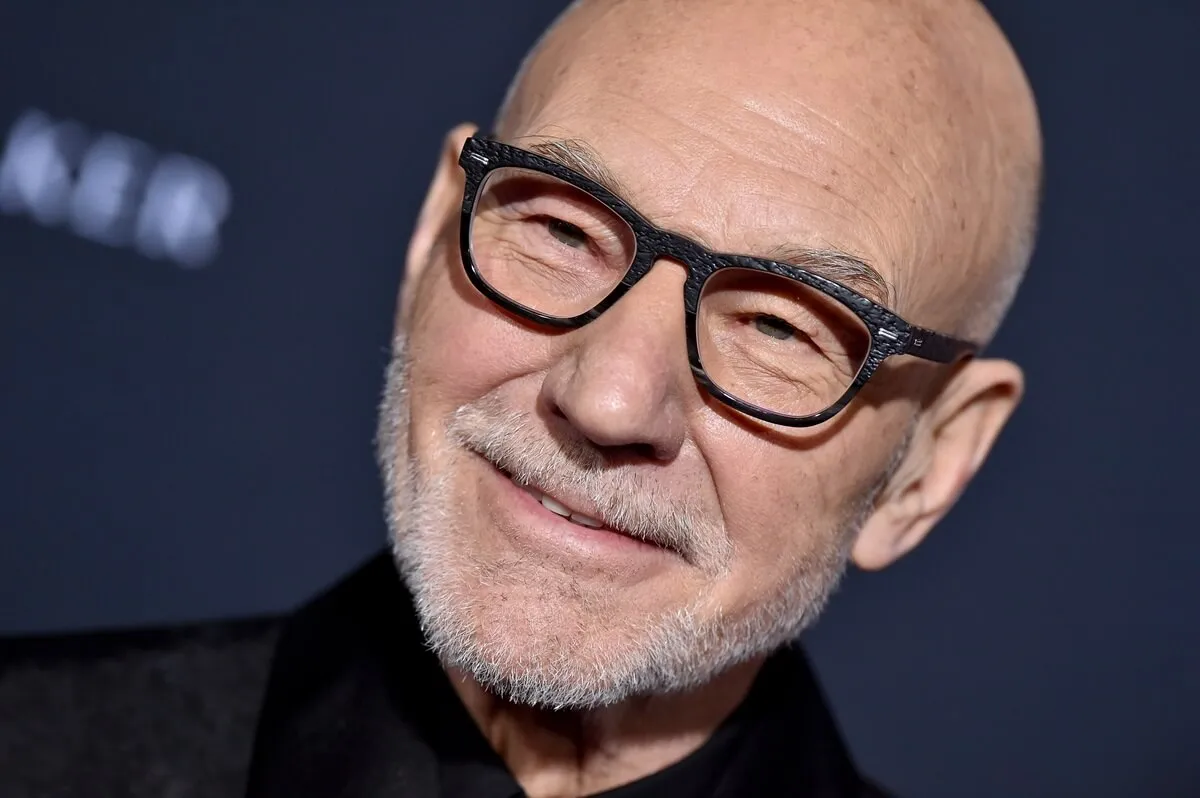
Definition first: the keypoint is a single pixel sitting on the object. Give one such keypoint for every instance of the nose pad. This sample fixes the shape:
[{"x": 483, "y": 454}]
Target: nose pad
[{"x": 621, "y": 384}]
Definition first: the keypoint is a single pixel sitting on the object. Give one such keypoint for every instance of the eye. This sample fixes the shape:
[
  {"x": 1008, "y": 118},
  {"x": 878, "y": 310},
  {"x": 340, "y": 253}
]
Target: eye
[
  {"x": 774, "y": 327},
  {"x": 568, "y": 233}
]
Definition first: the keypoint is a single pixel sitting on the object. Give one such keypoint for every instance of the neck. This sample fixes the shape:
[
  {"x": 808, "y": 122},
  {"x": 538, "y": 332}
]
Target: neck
[{"x": 561, "y": 754}]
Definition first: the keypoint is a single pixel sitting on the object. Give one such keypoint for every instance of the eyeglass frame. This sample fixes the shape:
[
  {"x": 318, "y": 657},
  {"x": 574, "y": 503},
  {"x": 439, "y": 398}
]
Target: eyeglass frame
[{"x": 890, "y": 334}]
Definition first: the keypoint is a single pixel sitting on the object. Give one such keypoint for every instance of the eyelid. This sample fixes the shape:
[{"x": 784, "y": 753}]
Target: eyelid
[
  {"x": 582, "y": 207},
  {"x": 596, "y": 226},
  {"x": 816, "y": 332},
  {"x": 772, "y": 305}
]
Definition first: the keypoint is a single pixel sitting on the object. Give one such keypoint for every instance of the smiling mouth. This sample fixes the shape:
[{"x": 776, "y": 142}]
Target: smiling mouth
[
  {"x": 580, "y": 519},
  {"x": 560, "y": 509}
]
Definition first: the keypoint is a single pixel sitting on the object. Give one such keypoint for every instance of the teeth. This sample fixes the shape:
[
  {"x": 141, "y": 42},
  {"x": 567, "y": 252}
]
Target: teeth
[
  {"x": 583, "y": 520},
  {"x": 555, "y": 507},
  {"x": 561, "y": 509}
]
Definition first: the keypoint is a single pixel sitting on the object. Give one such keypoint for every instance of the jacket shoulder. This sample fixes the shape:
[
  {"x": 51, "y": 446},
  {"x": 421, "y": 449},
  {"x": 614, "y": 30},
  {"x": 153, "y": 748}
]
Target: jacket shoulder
[{"x": 153, "y": 713}]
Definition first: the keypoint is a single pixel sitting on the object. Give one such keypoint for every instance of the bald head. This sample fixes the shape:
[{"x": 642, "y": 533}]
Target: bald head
[{"x": 903, "y": 132}]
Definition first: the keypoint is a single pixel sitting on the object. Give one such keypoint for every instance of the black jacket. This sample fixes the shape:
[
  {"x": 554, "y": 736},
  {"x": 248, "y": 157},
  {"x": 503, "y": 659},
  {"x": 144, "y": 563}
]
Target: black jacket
[{"x": 339, "y": 699}]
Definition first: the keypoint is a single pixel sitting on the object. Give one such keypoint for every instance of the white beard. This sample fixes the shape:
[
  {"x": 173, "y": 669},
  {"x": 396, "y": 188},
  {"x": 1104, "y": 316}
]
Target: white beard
[{"x": 528, "y": 633}]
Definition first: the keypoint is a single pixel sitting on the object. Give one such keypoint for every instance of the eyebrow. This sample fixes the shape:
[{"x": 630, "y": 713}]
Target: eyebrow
[
  {"x": 828, "y": 262},
  {"x": 841, "y": 267},
  {"x": 579, "y": 156}
]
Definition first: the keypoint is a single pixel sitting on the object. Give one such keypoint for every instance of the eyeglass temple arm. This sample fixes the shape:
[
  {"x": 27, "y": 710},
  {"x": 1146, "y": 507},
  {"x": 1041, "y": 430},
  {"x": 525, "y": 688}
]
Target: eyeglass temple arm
[{"x": 939, "y": 348}]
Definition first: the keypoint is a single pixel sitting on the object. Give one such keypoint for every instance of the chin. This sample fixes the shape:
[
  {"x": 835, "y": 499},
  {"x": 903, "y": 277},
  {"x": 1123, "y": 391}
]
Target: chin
[
  {"x": 536, "y": 639},
  {"x": 549, "y": 659},
  {"x": 526, "y": 633},
  {"x": 530, "y": 632},
  {"x": 539, "y": 655}
]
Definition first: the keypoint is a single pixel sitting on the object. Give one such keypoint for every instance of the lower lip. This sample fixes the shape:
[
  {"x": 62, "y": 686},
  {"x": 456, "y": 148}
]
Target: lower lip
[{"x": 545, "y": 529}]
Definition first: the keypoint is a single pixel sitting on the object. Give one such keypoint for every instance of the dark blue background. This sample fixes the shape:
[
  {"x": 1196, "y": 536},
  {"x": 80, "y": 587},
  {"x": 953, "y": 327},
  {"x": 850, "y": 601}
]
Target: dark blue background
[{"x": 188, "y": 444}]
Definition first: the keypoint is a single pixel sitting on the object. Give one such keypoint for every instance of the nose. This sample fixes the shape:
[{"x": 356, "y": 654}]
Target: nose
[{"x": 621, "y": 384}]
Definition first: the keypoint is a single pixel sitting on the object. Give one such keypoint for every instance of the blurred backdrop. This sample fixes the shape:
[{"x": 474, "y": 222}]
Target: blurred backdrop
[{"x": 188, "y": 371}]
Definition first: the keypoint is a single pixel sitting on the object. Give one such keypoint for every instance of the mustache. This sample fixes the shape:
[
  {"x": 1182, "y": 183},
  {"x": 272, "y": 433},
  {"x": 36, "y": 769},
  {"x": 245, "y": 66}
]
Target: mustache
[{"x": 625, "y": 498}]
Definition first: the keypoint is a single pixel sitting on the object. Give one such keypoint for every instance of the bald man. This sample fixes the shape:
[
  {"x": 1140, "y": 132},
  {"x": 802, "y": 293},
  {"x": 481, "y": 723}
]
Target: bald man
[{"x": 694, "y": 326}]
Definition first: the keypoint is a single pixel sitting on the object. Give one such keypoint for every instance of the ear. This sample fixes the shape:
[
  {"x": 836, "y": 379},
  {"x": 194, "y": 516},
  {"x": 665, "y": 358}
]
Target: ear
[
  {"x": 951, "y": 440},
  {"x": 442, "y": 200}
]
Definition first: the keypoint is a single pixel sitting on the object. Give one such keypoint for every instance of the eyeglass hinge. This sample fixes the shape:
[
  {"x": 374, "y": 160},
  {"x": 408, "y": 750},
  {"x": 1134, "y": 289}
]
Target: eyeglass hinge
[
  {"x": 891, "y": 335},
  {"x": 477, "y": 157}
]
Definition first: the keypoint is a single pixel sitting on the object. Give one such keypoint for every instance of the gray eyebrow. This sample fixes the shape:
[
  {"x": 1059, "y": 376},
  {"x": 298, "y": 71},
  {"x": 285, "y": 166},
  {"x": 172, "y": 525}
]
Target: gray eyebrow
[
  {"x": 579, "y": 156},
  {"x": 841, "y": 267},
  {"x": 833, "y": 264}
]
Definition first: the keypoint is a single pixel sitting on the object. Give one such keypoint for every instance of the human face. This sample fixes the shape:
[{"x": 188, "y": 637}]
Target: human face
[
  {"x": 729, "y": 546},
  {"x": 730, "y": 533}
]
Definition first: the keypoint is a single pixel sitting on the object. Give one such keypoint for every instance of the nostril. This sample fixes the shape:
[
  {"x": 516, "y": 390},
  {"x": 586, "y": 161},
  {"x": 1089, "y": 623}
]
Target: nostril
[{"x": 643, "y": 451}]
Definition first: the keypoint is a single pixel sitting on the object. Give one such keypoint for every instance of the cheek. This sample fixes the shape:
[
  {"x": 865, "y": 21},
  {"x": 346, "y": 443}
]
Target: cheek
[
  {"x": 784, "y": 507},
  {"x": 460, "y": 345}
]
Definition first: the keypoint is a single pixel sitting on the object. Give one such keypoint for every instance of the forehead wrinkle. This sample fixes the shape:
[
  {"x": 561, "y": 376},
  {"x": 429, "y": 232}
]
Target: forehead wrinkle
[
  {"x": 905, "y": 139},
  {"x": 834, "y": 186},
  {"x": 829, "y": 262},
  {"x": 813, "y": 136},
  {"x": 778, "y": 152},
  {"x": 905, "y": 174},
  {"x": 814, "y": 120}
]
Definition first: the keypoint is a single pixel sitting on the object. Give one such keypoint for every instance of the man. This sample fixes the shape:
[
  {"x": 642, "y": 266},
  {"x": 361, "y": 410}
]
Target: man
[{"x": 691, "y": 329}]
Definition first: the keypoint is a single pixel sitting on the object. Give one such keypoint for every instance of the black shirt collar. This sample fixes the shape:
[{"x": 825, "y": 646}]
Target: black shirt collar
[{"x": 358, "y": 707}]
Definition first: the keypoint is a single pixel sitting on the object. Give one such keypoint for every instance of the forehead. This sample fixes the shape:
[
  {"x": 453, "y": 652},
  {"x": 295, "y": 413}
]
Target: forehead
[
  {"x": 838, "y": 265},
  {"x": 752, "y": 159}
]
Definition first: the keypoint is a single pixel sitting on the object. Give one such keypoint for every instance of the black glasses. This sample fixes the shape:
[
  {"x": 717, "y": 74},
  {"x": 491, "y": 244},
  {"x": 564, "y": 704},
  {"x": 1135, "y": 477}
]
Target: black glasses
[{"x": 777, "y": 342}]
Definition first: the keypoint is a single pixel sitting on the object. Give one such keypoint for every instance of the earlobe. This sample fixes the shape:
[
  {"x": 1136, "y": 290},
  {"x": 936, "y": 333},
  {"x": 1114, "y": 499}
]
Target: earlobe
[
  {"x": 894, "y": 529},
  {"x": 950, "y": 444},
  {"x": 442, "y": 200}
]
